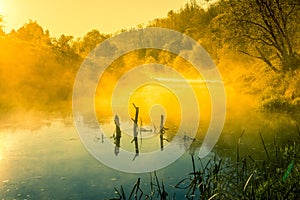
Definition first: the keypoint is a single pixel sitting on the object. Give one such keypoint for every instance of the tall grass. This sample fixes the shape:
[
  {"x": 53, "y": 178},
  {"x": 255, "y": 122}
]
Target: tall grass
[
  {"x": 157, "y": 190},
  {"x": 275, "y": 177}
]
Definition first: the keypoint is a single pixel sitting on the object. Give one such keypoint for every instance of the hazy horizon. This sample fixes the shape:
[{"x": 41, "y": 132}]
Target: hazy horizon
[{"x": 76, "y": 19}]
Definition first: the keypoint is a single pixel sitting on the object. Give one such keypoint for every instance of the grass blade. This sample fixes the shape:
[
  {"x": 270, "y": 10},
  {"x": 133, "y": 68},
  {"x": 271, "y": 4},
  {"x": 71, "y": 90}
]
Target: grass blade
[
  {"x": 263, "y": 142},
  {"x": 247, "y": 182},
  {"x": 213, "y": 196},
  {"x": 288, "y": 171}
]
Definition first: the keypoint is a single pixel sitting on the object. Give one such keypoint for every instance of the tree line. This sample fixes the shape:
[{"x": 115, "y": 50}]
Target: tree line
[{"x": 255, "y": 44}]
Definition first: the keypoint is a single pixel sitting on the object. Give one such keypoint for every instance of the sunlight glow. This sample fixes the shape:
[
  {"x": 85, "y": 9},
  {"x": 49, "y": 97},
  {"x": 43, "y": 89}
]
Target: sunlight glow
[
  {"x": 2, "y": 5},
  {"x": 1, "y": 148},
  {"x": 76, "y": 18},
  {"x": 194, "y": 81}
]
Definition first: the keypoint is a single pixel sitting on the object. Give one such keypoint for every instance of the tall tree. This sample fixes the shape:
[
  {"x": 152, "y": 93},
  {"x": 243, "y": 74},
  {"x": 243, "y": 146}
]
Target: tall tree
[
  {"x": 63, "y": 48},
  {"x": 267, "y": 30},
  {"x": 32, "y": 32},
  {"x": 90, "y": 41}
]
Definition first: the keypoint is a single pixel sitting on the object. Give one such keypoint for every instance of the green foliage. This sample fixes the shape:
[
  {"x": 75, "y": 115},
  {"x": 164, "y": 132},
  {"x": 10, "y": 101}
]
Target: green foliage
[
  {"x": 89, "y": 42},
  {"x": 265, "y": 29},
  {"x": 44, "y": 67},
  {"x": 279, "y": 92},
  {"x": 38, "y": 71},
  {"x": 32, "y": 32},
  {"x": 275, "y": 177},
  {"x": 276, "y": 103}
]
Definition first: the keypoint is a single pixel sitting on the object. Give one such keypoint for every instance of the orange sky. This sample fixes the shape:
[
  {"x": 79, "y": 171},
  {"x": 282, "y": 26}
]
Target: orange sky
[{"x": 77, "y": 17}]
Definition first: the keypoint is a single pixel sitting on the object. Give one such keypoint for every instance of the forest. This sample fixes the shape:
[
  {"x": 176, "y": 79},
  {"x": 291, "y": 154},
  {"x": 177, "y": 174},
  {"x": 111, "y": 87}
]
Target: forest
[{"x": 255, "y": 45}]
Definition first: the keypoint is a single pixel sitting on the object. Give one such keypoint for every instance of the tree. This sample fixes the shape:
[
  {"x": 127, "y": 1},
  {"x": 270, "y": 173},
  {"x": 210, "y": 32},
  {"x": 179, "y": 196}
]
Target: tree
[
  {"x": 267, "y": 30},
  {"x": 91, "y": 40},
  {"x": 189, "y": 20},
  {"x": 194, "y": 20},
  {"x": 32, "y": 32}
]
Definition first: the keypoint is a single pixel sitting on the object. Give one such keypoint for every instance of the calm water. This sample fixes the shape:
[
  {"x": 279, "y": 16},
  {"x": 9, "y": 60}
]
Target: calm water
[{"x": 48, "y": 161}]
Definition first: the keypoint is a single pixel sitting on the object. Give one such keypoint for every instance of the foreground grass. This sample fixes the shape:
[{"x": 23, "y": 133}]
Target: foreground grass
[{"x": 275, "y": 177}]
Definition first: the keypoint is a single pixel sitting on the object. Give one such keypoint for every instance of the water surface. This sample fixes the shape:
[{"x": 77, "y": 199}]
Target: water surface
[{"x": 48, "y": 161}]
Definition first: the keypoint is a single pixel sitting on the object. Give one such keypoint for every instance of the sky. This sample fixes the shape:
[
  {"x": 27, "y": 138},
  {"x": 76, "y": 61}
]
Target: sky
[{"x": 77, "y": 17}]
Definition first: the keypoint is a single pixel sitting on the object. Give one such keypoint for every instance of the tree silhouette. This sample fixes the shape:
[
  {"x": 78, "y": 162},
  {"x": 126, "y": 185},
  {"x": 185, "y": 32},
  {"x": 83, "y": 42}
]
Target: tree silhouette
[
  {"x": 90, "y": 41},
  {"x": 267, "y": 30},
  {"x": 32, "y": 32}
]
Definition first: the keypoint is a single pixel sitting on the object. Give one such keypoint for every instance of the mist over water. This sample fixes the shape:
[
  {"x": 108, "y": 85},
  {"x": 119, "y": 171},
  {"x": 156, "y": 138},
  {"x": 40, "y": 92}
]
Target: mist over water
[
  {"x": 42, "y": 155},
  {"x": 40, "y": 150}
]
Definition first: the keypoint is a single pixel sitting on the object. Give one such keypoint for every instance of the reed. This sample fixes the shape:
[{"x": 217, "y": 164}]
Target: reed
[{"x": 275, "y": 177}]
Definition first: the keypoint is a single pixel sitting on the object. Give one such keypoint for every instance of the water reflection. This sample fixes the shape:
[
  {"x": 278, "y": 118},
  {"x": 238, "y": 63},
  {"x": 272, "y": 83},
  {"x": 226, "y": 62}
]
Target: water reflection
[
  {"x": 117, "y": 137},
  {"x": 50, "y": 162},
  {"x": 161, "y": 133},
  {"x": 135, "y": 132},
  {"x": 136, "y": 129},
  {"x": 97, "y": 139}
]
